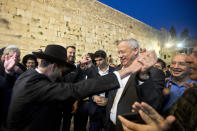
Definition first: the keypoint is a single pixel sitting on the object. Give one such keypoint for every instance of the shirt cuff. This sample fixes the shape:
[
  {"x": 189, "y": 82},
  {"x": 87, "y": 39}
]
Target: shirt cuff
[
  {"x": 9, "y": 72},
  {"x": 118, "y": 77}
]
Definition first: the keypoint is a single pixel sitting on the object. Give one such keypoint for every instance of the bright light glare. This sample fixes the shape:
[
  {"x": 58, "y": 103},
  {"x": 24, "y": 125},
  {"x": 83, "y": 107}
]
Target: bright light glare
[
  {"x": 180, "y": 45},
  {"x": 168, "y": 45}
]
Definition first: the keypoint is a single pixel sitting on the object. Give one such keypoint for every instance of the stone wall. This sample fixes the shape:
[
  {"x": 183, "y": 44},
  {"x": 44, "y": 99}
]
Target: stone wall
[{"x": 87, "y": 24}]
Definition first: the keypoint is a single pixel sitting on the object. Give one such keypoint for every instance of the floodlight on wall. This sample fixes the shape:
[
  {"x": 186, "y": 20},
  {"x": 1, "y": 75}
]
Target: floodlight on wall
[
  {"x": 180, "y": 45},
  {"x": 168, "y": 45}
]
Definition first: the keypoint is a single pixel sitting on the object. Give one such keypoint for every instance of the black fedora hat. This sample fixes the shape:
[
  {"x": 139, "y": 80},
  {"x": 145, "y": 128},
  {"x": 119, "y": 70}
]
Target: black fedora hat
[
  {"x": 28, "y": 56},
  {"x": 54, "y": 53}
]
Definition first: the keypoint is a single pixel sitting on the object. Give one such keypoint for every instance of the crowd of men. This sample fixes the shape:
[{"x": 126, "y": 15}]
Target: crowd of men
[{"x": 49, "y": 89}]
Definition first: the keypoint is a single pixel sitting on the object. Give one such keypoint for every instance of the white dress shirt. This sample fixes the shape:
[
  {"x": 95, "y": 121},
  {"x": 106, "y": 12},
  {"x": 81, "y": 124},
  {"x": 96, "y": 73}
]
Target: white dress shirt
[
  {"x": 38, "y": 71},
  {"x": 102, "y": 73},
  {"x": 122, "y": 83}
]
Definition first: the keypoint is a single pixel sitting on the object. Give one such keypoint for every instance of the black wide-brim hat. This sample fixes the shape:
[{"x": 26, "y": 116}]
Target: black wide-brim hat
[
  {"x": 54, "y": 53},
  {"x": 27, "y": 57}
]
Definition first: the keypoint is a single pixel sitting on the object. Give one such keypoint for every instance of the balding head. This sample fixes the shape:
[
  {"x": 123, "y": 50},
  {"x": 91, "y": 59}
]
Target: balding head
[{"x": 179, "y": 68}]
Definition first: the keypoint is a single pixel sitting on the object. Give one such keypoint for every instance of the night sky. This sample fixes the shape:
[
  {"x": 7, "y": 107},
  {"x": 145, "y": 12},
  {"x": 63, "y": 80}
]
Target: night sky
[{"x": 160, "y": 13}]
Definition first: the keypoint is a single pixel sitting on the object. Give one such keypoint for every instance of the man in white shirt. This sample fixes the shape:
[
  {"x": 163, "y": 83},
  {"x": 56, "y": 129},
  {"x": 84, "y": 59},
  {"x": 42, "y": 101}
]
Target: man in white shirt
[
  {"x": 132, "y": 88},
  {"x": 97, "y": 108}
]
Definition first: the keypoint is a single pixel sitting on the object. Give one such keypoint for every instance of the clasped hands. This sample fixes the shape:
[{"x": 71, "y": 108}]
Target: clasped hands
[
  {"x": 100, "y": 101},
  {"x": 143, "y": 62}
]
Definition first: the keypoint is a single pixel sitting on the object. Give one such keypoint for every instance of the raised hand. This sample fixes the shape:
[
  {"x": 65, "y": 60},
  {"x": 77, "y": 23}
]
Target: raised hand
[
  {"x": 10, "y": 63},
  {"x": 141, "y": 64},
  {"x": 85, "y": 59},
  {"x": 154, "y": 121},
  {"x": 147, "y": 59},
  {"x": 135, "y": 66}
]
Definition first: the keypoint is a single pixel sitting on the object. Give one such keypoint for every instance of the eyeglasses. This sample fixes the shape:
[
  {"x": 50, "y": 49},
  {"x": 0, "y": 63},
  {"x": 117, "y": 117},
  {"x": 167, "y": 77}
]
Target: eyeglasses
[
  {"x": 179, "y": 63},
  {"x": 195, "y": 53}
]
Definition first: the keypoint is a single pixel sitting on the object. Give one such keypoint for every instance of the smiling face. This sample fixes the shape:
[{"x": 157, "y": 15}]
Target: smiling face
[
  {"x": 179, "y": 68},
  {"x": 30, "y": 63},
  {"x": 71, "y": 55},
  {"x": 192, "y": 60},
  {"x": 126, "y": 53}
]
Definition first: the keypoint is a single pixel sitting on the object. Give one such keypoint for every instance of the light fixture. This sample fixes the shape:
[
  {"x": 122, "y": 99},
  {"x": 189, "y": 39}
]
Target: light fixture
[
  {"x": 180, "y": 45},
  {"x": 168, "y": 45}
]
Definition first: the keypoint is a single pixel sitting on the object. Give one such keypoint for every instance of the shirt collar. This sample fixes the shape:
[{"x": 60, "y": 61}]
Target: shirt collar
[
  {"x": 38, "y": 71},
  {"x": 189, "y": 81},
  {"x": 105, "y": 70}
]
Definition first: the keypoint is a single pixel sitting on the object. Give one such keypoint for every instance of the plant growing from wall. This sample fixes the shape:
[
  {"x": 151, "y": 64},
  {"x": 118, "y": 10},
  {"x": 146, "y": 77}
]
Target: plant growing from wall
[
  {"x": 35, "y": 20},
  {"x": 41, "y": 33},
  {"x": 33, "y": 37},
  {"x": 19, "y": 16}
]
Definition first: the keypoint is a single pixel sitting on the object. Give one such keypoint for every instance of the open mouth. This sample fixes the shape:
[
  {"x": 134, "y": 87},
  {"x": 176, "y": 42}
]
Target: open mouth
[
  {"x": 122, "y": 60},
  {"x": 177, "y": 71}
]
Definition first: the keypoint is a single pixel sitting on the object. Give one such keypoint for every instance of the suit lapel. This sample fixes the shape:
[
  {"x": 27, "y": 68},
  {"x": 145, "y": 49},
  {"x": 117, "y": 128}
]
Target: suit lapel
[{"x": 131, "y": 83}]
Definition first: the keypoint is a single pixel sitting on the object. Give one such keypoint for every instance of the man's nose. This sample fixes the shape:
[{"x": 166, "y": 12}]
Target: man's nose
[
  {"x": 176, "y": 65},
  {"x": 120, "y": 55},
  {"x": 188, "y": 59}
]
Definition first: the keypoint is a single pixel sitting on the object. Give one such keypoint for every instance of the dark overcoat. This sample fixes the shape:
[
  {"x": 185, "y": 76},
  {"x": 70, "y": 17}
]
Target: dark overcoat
[{"x": 36, "y": 100}]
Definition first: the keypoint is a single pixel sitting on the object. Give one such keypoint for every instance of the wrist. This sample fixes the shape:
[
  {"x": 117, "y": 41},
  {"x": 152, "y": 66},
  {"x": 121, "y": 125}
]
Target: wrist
[
  {"x": 134, "y": 70},
  {"x": 143, "y": 76}
]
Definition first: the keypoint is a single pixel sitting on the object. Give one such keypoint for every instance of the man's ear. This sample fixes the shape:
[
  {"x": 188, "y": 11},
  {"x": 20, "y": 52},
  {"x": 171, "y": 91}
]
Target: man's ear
[
  {"x": 53, "y": 66},
  {"x": 136, "y": 50}
]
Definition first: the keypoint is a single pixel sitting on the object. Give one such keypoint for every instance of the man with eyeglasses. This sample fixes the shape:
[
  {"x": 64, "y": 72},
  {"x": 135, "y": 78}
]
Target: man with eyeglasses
[
  {"x": 180, "y": 117},
  {"x": 180, "y": 75}
]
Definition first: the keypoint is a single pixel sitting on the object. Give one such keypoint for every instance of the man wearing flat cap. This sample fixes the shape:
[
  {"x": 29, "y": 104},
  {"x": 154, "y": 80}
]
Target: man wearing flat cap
[{"x": 37, "y": 99}]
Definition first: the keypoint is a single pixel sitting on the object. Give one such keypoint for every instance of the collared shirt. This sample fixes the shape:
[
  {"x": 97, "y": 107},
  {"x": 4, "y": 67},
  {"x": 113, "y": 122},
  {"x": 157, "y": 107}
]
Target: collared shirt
[
  {"x": 38, "y": 71},
  {"x": 113, "y": 112},
  {"x": 175, "y": 92},
  {"x": 102, "y": 73}
]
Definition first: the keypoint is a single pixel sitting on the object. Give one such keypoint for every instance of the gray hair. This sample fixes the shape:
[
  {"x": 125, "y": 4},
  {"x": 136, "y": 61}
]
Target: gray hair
[
  {"x": 11, "y": 48},
  {"x": 132, "y": 43}
]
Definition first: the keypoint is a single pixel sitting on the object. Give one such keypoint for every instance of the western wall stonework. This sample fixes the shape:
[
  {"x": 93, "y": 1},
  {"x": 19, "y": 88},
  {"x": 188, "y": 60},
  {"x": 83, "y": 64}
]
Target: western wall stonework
[{"x": 87, "y": 24}]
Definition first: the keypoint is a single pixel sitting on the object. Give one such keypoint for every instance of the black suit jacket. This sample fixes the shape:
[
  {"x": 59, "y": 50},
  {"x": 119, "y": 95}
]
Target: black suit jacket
[
  {"x": 148, "y": 92},
  {"x": 35, "y": 100},
  {"x": 6, "y": 85},
  {"x": 93, "y": 73}
]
